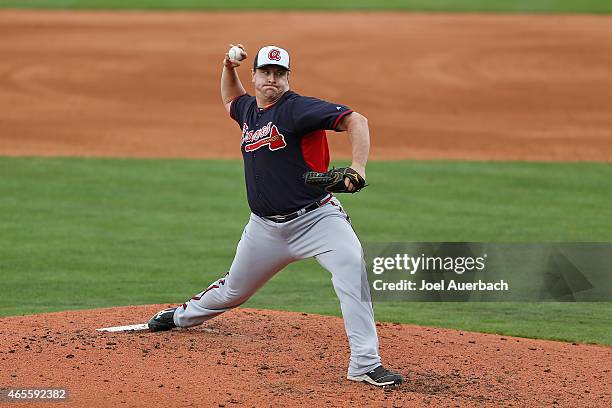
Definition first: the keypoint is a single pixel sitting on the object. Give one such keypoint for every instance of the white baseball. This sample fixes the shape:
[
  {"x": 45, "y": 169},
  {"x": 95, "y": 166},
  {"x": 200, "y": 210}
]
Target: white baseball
[{"x": 235, "y": 53}]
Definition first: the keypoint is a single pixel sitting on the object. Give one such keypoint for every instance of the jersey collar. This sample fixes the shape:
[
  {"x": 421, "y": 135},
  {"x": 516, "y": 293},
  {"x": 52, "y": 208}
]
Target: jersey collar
[{"x": 283, "y": 96}]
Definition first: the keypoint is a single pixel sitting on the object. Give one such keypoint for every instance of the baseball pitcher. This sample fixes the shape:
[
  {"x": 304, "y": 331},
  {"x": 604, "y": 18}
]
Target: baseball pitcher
[{"x": 294, "y": 214}]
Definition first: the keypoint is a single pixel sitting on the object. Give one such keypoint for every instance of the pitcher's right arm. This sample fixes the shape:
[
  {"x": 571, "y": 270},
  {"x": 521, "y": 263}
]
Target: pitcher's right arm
[{"x": 231, "y": 87}]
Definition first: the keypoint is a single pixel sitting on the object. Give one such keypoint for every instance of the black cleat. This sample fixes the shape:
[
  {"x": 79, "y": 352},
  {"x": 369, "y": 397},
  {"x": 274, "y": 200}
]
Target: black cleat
[
  {"x": 163, "y": 320},
  {"x": 380, "y": 377}
]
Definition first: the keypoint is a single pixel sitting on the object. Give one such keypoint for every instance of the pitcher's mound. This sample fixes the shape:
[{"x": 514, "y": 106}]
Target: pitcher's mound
[{"x": 269, "y": 358}]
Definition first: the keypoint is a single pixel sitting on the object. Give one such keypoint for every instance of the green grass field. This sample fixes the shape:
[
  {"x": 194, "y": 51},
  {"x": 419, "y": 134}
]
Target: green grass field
[
  {"x": 86, "y": 233},
  {"x": 514, "y": 6}
]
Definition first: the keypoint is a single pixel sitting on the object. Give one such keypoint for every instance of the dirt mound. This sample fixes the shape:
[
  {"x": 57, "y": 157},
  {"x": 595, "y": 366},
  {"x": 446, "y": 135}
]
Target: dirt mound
[
  {"x": 432, "y": 85},
  {"x": 253, "y": 358}
]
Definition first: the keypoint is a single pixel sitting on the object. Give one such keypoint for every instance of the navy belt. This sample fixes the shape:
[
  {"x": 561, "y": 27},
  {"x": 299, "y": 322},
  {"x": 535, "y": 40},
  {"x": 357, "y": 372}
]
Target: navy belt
[{"x": 294, "y": 215}]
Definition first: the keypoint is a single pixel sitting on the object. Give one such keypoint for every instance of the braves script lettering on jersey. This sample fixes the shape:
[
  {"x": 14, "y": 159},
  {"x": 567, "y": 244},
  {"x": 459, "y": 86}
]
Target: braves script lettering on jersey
[{"x": 283, "y": 137}]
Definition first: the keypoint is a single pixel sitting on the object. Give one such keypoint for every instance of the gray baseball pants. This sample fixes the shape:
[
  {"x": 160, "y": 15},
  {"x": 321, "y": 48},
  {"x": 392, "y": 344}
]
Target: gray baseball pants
[{"x": 267, "y": 247}]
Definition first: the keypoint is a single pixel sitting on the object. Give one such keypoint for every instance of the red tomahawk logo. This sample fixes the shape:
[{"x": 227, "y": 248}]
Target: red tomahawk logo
[{"x": 275, "y": 141}]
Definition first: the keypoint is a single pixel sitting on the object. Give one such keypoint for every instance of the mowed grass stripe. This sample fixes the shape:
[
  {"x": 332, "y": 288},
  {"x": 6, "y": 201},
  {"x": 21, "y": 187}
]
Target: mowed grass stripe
[
  {"x": 513, "y": 6},
  {"x": 85, "y": 233}
]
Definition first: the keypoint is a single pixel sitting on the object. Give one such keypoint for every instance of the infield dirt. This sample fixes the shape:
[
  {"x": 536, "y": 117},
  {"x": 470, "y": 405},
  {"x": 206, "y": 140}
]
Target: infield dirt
[
  {"x": 269, "y": 358},
  {"x": 433, "y": 86}
]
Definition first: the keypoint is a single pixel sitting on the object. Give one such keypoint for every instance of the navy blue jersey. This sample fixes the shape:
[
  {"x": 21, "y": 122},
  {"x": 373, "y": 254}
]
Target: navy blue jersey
[{"x": 279, "y": 144}]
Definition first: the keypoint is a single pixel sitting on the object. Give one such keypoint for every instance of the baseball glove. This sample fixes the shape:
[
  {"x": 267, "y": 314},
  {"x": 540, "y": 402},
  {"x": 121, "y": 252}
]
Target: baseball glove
[{"x": 333, "y": 180}]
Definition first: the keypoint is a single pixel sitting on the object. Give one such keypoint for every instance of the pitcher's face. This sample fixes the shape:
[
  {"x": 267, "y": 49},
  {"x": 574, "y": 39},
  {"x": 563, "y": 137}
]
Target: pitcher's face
[{"x": 271, "y": 81}]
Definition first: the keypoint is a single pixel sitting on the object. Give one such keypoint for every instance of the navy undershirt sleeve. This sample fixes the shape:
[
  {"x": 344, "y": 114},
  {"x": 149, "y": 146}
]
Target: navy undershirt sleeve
[{"x": 239, "y": 107}]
